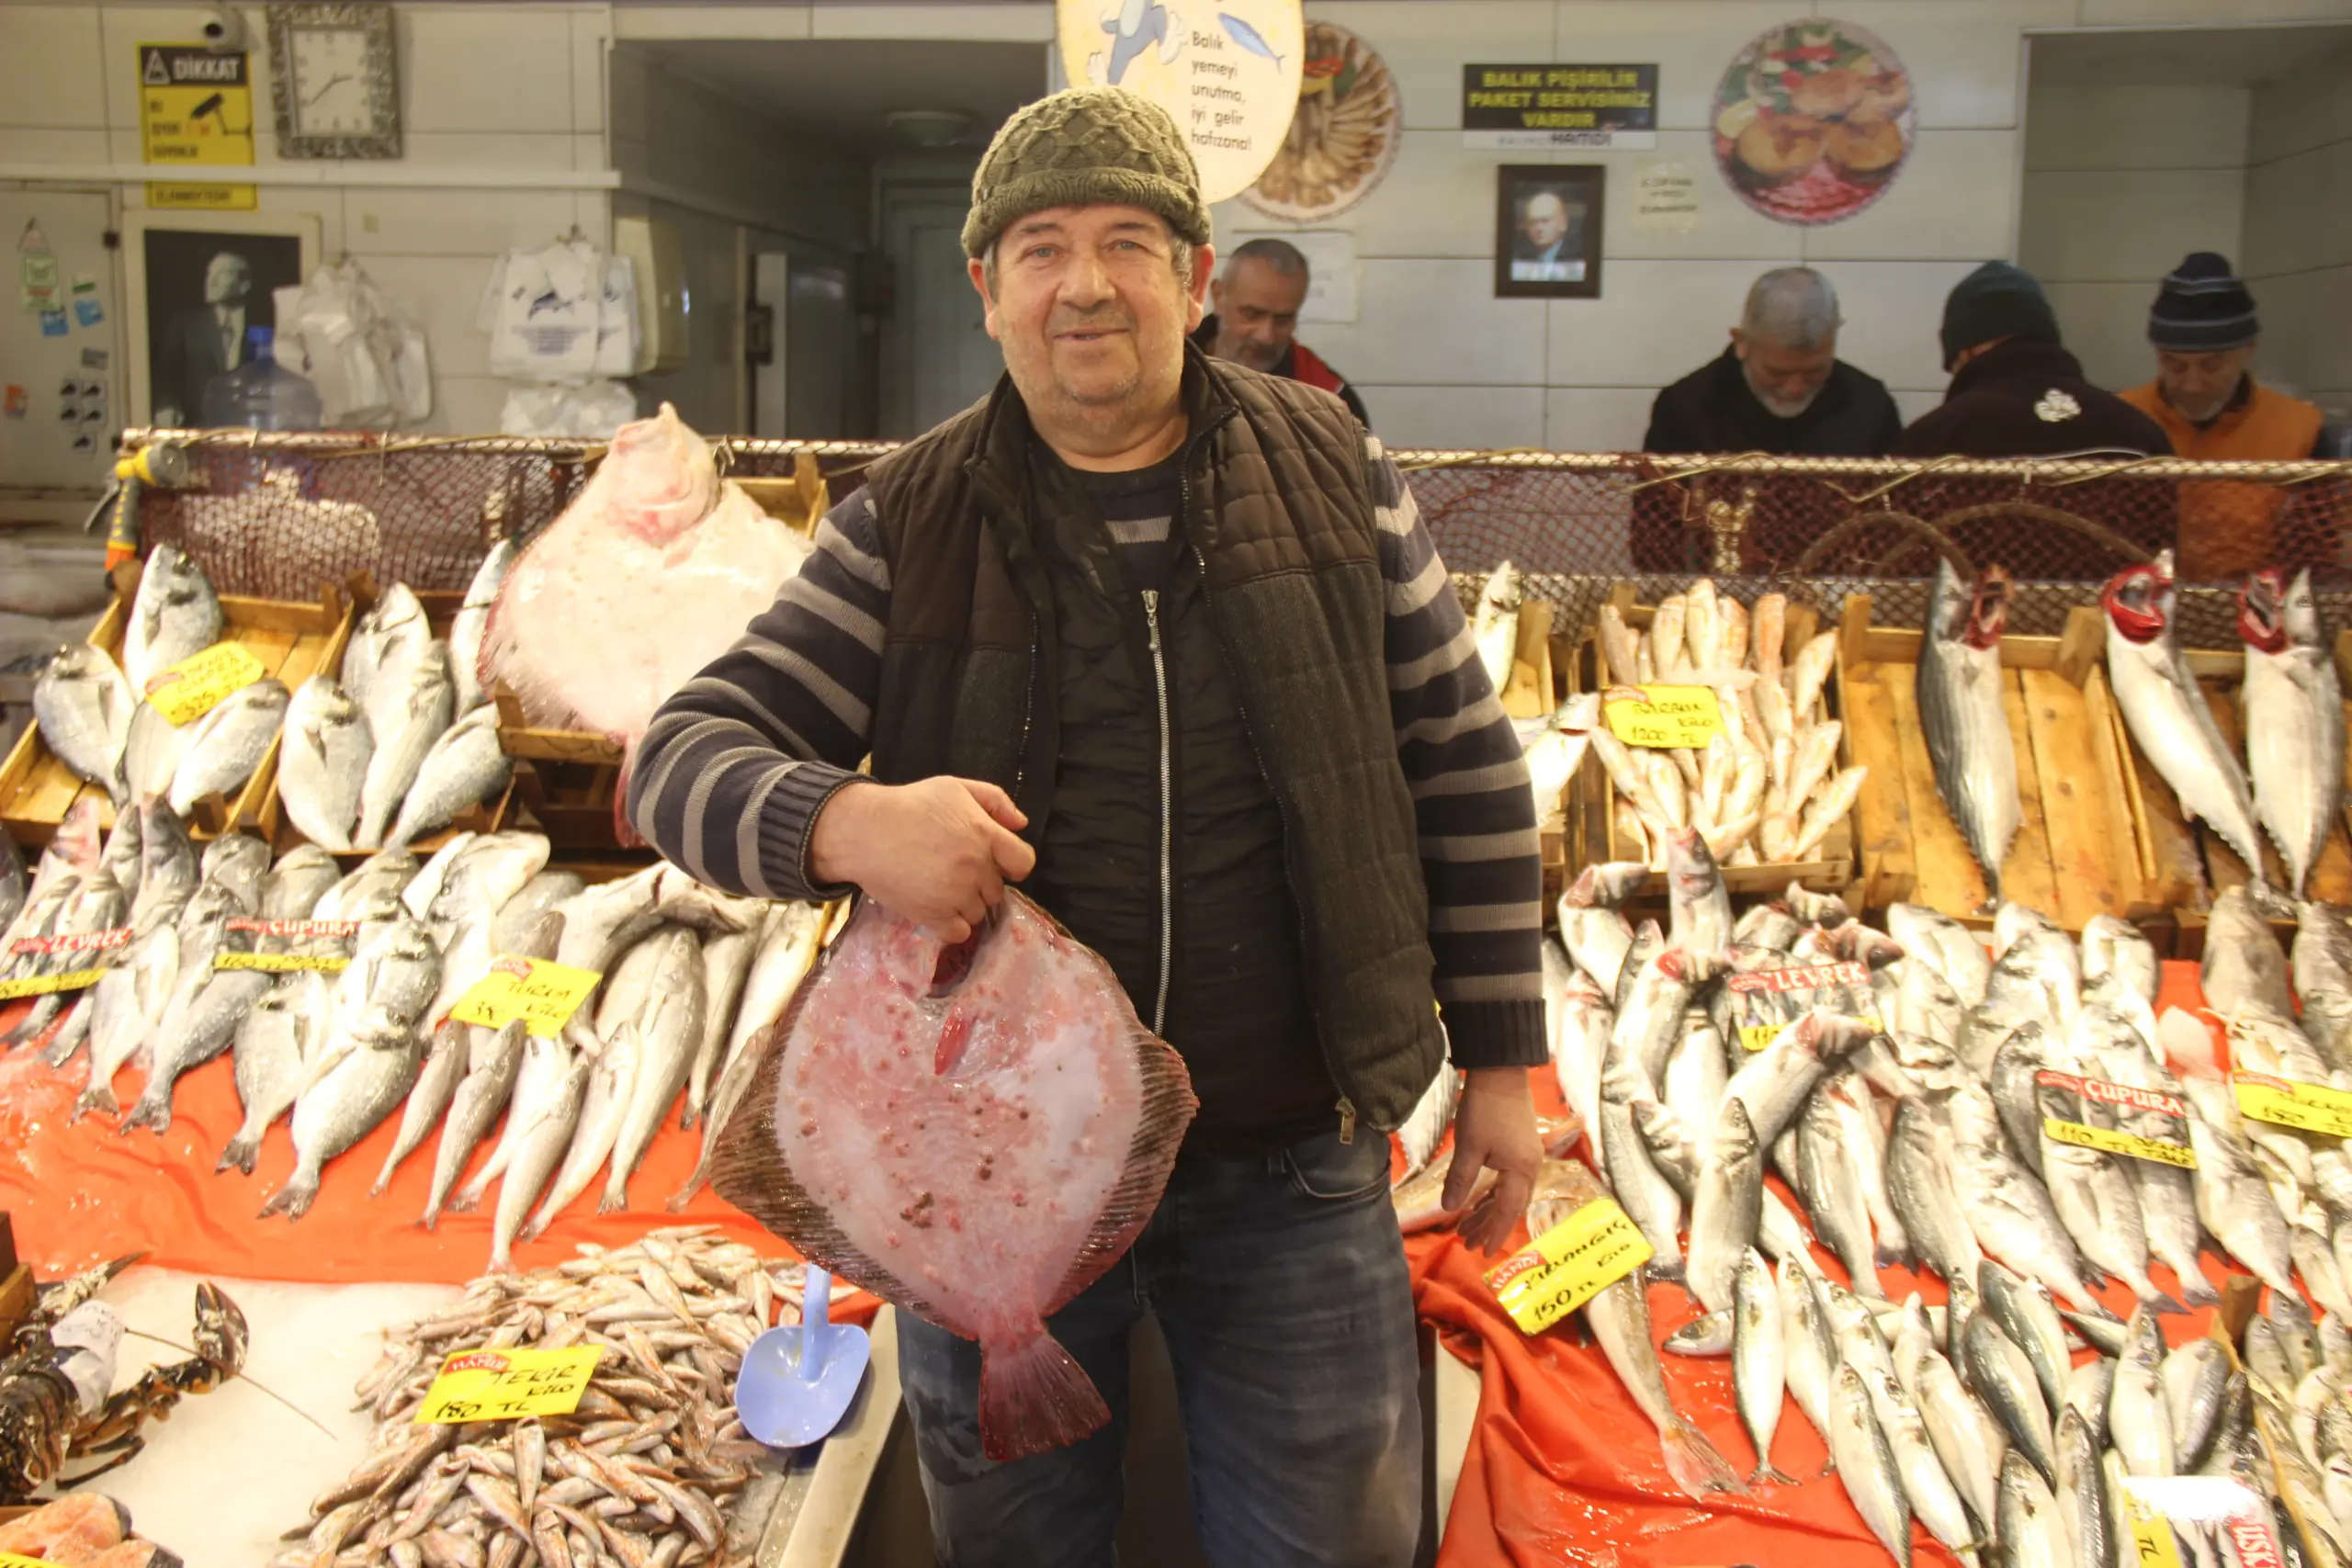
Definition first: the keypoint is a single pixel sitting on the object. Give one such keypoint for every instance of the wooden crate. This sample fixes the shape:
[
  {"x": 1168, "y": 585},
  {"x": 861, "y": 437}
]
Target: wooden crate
[
  {"x": 293, "y": 641},
  {"x": 2194, "y": 864},
  {"x": 1592, "y": 822},
  {"x": 2078, "y": 852},
  {"x": 270, "y": 821}
]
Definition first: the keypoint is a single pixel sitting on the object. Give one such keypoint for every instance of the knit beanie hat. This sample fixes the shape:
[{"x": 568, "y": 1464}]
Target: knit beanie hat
[
  {"x": 1082, "y": 146},
  {"x": 1996, "y": 301},
  {"x": 2202, "y": 307}
]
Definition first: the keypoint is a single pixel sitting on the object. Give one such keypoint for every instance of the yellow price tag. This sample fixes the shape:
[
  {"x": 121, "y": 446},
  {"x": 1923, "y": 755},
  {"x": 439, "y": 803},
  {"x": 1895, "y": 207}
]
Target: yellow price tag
[
  {"x": 196, "y": 685},
  {"x": 282, "y": 963},
  {"x": 1663, "y": 716},
  {"x": 43, "y": 985},
  {"x": 1569, "y": 1265},
  {"x": 506, "y": 1385},
  {"x": 11, "y": 1559},
  {"x": 2306, "y": 1106},
  {"x": 2151, "y": 1535},
  {"x": 543, "y": 995},
  {"x": 1757, "y": 1036},
  {"x": 2118, "y": 1143}
]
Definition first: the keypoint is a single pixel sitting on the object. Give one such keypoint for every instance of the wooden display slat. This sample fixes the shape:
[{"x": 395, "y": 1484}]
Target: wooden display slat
[{"x": 2076, "y": 855}]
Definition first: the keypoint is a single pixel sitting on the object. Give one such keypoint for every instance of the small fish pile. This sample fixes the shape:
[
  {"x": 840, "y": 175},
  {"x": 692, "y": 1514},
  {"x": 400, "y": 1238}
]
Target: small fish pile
[
  {"x": 1905, "y": 1086},
  {"x": 975, "y": 1133},
  {"x": 1557, "y": 742},
  {"x": 645, "y": 1471},
  {"x": 689, "y": 978},
  {"x": 2292, "y": 781},
  {"x": 1768, "y": 789},
  {"x": 84, "y": 1530},
  {"x": 405, "y": 741}
]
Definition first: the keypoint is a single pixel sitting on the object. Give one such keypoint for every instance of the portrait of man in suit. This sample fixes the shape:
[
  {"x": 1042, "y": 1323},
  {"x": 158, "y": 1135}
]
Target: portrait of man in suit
[
  {"x": 1550, "y": 244},
  {"x": 205, "y": 291},
  {"x": 1547, "y": 231}
]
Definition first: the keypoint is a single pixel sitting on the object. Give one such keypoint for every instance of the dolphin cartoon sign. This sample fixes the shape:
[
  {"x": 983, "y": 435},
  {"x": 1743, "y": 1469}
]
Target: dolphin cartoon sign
[{"x": 1228, "y": 71}]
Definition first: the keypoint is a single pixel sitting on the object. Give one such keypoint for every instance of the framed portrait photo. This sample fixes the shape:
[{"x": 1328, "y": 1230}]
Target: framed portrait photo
[
  {"x": 1547, "y": 231},
  {"x": 196, "y": 283}
]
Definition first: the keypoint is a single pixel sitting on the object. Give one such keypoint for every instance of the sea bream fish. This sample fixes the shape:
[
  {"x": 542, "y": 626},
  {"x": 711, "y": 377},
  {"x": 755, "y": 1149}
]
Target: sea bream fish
[
  {"x": 985, "y": 1170},
  {"x": 2294, "y": 718},
  {"x": 1963, "y": 716},
  {"x": 83, "y": 705},
  {"x": 2165, "y": 709},
  {"x": 175, "y": 616}
]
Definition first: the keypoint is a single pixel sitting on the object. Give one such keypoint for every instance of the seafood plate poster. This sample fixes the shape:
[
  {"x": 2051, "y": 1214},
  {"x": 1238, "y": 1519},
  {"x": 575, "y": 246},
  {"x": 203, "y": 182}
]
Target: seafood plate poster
[
  {"x": 1813, "y": 119},
  {"x": 1228, "y": 71}
]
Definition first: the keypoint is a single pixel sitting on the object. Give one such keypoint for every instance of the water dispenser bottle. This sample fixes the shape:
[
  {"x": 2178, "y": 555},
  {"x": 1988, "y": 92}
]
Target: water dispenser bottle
[{"x": 262, "y": 394}]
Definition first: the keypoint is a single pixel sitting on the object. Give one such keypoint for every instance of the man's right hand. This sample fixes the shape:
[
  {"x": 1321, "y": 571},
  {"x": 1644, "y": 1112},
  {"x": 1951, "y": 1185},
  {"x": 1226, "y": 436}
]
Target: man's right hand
[{"x": 938, "y": 852}]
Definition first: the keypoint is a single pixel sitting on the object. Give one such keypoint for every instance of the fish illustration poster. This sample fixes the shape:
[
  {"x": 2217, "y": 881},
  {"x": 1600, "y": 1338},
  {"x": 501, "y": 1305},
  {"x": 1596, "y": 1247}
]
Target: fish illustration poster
[{"x": 1227, "y": 69}]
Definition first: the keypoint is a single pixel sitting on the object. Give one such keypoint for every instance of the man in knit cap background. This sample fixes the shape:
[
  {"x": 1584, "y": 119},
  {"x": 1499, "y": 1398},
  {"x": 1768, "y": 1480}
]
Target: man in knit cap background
[{"x": 1163, "y": 640}]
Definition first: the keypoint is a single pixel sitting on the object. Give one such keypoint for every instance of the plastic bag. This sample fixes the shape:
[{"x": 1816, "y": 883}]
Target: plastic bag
[
  {"x": 361, "y": 348},
  {"x": 589, "y": 412}
]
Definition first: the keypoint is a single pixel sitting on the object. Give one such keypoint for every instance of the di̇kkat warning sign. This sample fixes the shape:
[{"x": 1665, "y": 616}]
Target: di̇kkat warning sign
[{"x": 196, "y": 107}]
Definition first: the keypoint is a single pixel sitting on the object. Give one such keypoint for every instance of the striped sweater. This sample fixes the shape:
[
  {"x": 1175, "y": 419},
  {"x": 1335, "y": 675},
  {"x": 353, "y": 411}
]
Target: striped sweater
[{"x": 737, "y": 764}]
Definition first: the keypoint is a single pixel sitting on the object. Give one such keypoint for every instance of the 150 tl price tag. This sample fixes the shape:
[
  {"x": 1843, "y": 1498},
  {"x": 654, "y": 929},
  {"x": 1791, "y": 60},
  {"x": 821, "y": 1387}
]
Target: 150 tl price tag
[
  {"x": 2306, "y": 1106},
  {"x": 506, "y": 1385},
  {"x": 543, "y": 995},
  {"x": 1569, "y": 1265},
  {"x": 196, "y": 685},
  {"x": 1662, "y": 715}
]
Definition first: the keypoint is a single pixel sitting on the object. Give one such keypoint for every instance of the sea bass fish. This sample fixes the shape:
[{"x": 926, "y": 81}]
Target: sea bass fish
[
  {"x": 1966, "y": 720},
  {"x": 2294, "y": 719},
  {"x": 986, "y": 1173},
  {"x": 176, "y": 615},
  {"x": 2167, "y": 711}
]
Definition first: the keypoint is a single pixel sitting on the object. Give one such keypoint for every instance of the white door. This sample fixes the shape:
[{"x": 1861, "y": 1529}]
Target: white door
[{"x": 955, "y": 361}]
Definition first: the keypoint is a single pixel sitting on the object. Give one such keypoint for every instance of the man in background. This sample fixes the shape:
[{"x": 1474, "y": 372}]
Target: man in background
[
  {"x": 1550, "y": 247},
  {"x": 1780, "y": 386},
  {"x": 2204, "y": 329},
  {"x": 203, "y": 341},
  {"x": 1254, "y": 319}
]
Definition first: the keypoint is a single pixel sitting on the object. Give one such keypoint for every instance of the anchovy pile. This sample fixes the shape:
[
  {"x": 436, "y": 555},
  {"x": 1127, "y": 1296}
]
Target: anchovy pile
[
  {"x": 643, "y": 1474},
  {"x": 1896, "y": 1081},
  {"x": 1767, "y": 790},
  {"x": 689, "y": 977}
]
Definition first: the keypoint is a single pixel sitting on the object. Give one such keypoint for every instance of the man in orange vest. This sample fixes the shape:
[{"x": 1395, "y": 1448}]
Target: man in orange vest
[
  {"x": 1253, "y": 319},
  {"x": 2204, "y": 328}
]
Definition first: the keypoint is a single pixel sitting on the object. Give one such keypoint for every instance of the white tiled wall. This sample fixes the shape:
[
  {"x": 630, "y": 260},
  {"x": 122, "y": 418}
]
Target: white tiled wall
[
  {"x": 2298, "y": 230},
  {"x": 485, "y": 86}
]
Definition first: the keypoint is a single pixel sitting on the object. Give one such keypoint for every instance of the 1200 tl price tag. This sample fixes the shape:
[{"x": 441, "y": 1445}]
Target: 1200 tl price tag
[
  {"x": 506, "y": 1385},
  {"x": 1569, "y": 1265},
  {"x": 2306, "y": 1106},
  {"x": 542, "y": 995},
  {"x": 1662, "y": 715},
  {"x": 196, "y": 685}
]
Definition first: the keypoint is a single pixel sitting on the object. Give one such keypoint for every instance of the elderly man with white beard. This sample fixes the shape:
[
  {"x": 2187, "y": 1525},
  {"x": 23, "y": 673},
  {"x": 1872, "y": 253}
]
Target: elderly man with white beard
[{"x": 1780, "y": 386}]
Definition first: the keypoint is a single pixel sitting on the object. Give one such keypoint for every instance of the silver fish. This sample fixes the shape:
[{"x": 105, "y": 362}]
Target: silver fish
[
  {"x": 2006, "y": 1208},
  {"x": 1943, "y": 943},
  {"x": 1724, "y": 1208},
  {"x": 200, "y": 1023},
  {"x": 168, "y": 865},
  {"x": 1774, "y": 1082},
  {"x": 464, "y": 769},
  {"x": 1967, "y": 1441},
  {"x": 1647, "y": 943},
  {"x": 788, "y": 949},
  {"x": 2004, "y": 1380},
  {"x": 227, "y": 744},
  {"x": 493, "y": 1062},
  {"x": 1605, "y": 885},
  {"x": 151, "y": 750},
  {"x": 344, "y": 1105},
  {"x": 2234, "y": 1202},
  {"x": 2098, "y": 1204},
  {"x": 2294, "y": 719},
  {"x": 2026, "y": 1312},
  {"x": 1695, "y": 893},
  {"x": 1674, "y": 1150},
  {"x": 2090, "y": 1389},
  {"x": 1759, "y": 1351},
  {"x": 2244, "y": 969},
  {"x": 2296, "y": 1332},
  {"x": 2323, "y": 950},
  {"x": 2032, "y": 1530},
  {"x": 405, "y": 719},
  {"x": 436, "y": 1082},
  {"x": 1425, "y": 1128},
  {"x": 1577, "y": 1020},
  {"x": 726, "y": 966},
  {"x": 2082, "y": 1492},
  {"x": 473, "y": 619},
  {"x": 545, "y": 1131},
  {"x": 540, "y": 896},
  {"x": 273, "y": 1045},
  {"x": 175, "y": 616},
  {"x": 1809, "y": 1348},
  {"x": 2194, "y": 1379},
  {"x": 238, "y": 860},
  {"x": 1964, "y": 717},
  {"x": 1598, "y": 939},
  {"x": 1865, "y": 1137},
  {"x": 2165, "y": 709},
  {"x": 14, "y": 884},
  {"x": 2111, "y": 944},
  {"x": 1931, "y": 1493},
  {"x": 1925, "y": 1005},
  {"x": 2138, "y": 1422},
  {"x": 1649, "y": 1012},
  {"x": 603, "y": 1106},
  {"x": 125, "y": 843},
  {"x": 301, "y": 876},
  {"x": 1919, "y": 1186},
  {"x": 389, "y": 638},
  {"x": 83, "y": 705},
  {"x": 324, "y": 763},
  {"x": 128, "y": 1003},
  {"x": 1830, "y": 1184},
  {"x": 1866, "y": 1464},
  {"x": 371, "y": 890},
  {"x": 1620, "y": 1318},
  {"x": 478, "y": 877},
  {"x": 1493, "y": 625},
  {"x": 1695, "y": 1073},
  {"x": 605, "y": 919}
]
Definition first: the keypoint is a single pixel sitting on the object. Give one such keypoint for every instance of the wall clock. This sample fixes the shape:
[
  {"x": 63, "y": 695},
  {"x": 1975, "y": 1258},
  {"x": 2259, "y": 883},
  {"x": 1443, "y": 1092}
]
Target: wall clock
[{"x": 337, "y": 92}]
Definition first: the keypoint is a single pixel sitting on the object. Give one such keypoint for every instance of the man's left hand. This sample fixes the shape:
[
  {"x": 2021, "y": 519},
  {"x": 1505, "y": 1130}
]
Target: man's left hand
[{"x": 1494, "y": 1129}]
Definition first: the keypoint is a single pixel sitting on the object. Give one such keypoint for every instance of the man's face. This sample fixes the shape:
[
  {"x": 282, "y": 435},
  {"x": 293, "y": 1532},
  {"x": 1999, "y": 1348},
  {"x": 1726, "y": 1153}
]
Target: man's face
[
  {"x": 1089, "y": 310},
  {"x": 227, "y": 280},
  {"x": 1257, "y": 313},
  {"x": 1784, "y": 379},
  {"x": 2199, "y": 386},
  {"x": 1545, "y": 219}
]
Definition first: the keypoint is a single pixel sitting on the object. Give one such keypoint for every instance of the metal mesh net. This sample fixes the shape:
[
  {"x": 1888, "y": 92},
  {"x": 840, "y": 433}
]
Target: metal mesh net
[{"x": 276, "y": 516}]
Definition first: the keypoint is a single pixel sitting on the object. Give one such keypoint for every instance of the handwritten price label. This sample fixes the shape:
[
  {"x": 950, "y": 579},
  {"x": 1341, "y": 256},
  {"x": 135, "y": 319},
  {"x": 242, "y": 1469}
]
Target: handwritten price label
[
  {"x": 11, "y": 1559},
  {"x": 196, "y": 685},
  {"x": 542, "y": 995},
  {"x": 2110, "y": 1141},
  {"x": 1569, "y": 1265},
  {"x": 282, "y": 963},
  {"x": 1662, "y": 715},
  {"x": 506, "y": 1385},
  {"x": 2151, "y": 1532},
  {"x": 44, "y": 985},
  {"x": 1758, "y": 1036},
  {"x": 2306, "y": 1106}
]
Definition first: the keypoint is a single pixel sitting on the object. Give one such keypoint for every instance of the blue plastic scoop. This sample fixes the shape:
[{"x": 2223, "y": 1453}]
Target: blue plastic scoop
[{"x": 798, "y": 1380}]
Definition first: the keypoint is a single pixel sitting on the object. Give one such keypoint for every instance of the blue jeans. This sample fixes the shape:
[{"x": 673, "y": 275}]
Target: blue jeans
[{"x": 1280, "y": 1286}]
